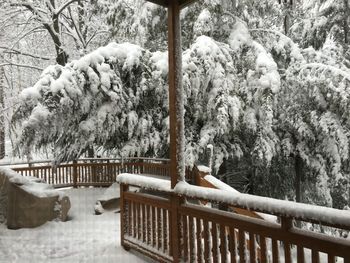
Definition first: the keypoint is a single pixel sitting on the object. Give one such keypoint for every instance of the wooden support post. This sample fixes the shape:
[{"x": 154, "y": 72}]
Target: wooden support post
[
  {"x": 176, "y": 118},
  {"x": 176, "y": 107}
]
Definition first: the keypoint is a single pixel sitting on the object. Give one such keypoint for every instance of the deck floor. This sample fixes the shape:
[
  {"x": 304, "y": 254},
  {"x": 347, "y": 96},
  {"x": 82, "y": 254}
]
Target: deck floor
[{"x": 84, "y": 238}]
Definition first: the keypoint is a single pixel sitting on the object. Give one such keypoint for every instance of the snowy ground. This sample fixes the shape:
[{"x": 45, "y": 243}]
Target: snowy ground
[{"x": 84, "y": 238}]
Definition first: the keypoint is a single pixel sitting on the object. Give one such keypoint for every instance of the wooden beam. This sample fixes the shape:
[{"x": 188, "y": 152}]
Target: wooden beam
[
  {"x": 159, "y": 2},
  {"x": 176, "y": 107},
  {"x": 166, "y": 3},
  {"x": 185, "y": 3}
]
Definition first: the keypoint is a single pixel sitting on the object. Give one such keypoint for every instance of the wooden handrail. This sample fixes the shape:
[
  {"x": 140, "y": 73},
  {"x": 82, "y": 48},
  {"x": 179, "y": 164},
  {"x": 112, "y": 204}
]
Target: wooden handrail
[
  {"x": 93, "y": 172},
  {"x": 208, "y": 234},
  {"x": 150, "y": 219},
  {"x": 120, "y": 159}
]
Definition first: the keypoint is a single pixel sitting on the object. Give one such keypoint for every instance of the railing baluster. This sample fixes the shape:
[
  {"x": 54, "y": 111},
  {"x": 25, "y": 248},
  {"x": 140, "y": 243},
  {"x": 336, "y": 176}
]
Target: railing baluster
[
  {"x": 160, "y": 238},
  {"x": 130, "y": 210},
  {"x": 223, "y": 244},
  {"x": 134, "y": 219},
  {"x": 149, "y": 224},
  {"x": 199, "y": 240},
  {"x": 185, "y": 236},
  {"x": 138, "y": 221},
  {"x": 275, "y": 251},
  {"x": 165, "y": 230},
  {"x": 154, "y": 233},
  {"x": 56, "y": 172},
  {"x": 215, "y": 242},
  {"x": 206, "y": 241},
  {"x": 232, "y": 245},
  {"x": 300, "y": 254},
  {"x": 49, "y": 170},
  {"x": 331, "y": 258},
  {"x": 242, "y": 246},
  {"x": 144, "y": 223},
  {"x": 315, "y": 256},
  {"x": 45, "y": 174},
  {"x": 252, "y": 249},
  {"x": 263, "y": 254},
  {"x": 192, "y": 238}
]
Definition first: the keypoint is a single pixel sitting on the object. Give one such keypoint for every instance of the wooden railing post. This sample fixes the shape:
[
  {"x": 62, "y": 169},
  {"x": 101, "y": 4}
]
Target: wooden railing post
[
  {"x": 141, "y": 166},
  {"x": 75, "y": 174},
  {"x": 175, "y": 228},
  {"x": 286, "y": 225},
  {"x": 123, "y": 214}
]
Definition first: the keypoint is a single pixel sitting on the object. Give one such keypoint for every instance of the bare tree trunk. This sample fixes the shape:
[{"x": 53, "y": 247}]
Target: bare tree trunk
[
  {"x": 52, "y": 26},
  {"x": 2, "y": 106},
  {"x": 298, "y": 175},
  {"x": 288, "y": 6},
  {"x": 346, "y": 22}
]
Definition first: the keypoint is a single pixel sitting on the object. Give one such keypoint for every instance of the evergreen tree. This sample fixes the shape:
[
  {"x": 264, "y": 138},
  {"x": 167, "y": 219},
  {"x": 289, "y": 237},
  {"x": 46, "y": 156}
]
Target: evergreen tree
[{"x": 253, "y": 88}]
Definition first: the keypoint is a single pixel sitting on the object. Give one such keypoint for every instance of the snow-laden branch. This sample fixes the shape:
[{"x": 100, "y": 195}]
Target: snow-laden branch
[
  {"x": 325, "y": 67},
  {"x": 271, "y": 31}
]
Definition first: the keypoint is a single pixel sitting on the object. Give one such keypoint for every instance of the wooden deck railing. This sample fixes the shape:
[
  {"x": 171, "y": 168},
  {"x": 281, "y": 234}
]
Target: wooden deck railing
[
  {"x": 207, "y": 234},
  {"x": 91, "y": 172},
  {"x": 174, "y": 225}
]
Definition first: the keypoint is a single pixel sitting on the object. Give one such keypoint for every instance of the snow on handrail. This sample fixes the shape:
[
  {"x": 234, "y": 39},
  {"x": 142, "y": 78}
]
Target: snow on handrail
[
  {"x": 32, "y": 185},
  {"x": 219, "y": 184},
  {"x": 145, "y": 181},
  {"x": 87, "y": 159},
  {"x": 20, "y": 163},
  {"x": 325, "y": 215}
]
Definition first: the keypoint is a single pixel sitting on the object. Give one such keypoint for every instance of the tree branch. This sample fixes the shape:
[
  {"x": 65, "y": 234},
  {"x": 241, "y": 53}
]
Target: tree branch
[
  {"x": 63, "y": 6},
  {"x": 31, "y": 8},
  {"x": 76, "y": 29},
  {"x": 20, "y": 52},
  {"x": 20, "y": 65},
  {"x": 95, "y": 34}
]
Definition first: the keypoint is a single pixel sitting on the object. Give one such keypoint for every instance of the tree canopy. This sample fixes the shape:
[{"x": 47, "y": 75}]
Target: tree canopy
[{"x": 257, "y": 84}]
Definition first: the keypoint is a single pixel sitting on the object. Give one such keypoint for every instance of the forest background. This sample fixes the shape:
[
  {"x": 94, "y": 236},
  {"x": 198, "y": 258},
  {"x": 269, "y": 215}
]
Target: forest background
[{"x": 266, "y": 83}]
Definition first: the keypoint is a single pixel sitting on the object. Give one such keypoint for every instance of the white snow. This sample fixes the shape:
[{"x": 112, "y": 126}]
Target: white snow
[
  {"x": 204, "y": 169},
  {"x": 239, "y": 36},
  {"x": 110, "y": 193},
  {"x": 30, "y": 184},
  {"x": 84, "y": 238},
  {"x": 219, "y": 184},
  {"x": 160, "y": 60},
  {"x": 273, "y": 206},
  {"x": 145, "y": 181}
]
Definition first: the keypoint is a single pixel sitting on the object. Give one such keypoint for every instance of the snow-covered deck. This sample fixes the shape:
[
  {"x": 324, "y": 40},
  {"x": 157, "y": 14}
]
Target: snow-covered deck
[{"x": 84, "y": 238}]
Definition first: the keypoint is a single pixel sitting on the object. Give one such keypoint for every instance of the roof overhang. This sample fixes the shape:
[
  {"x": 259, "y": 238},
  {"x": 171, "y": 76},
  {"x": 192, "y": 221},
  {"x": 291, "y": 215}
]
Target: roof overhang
[{"x": 165, "y": 3}]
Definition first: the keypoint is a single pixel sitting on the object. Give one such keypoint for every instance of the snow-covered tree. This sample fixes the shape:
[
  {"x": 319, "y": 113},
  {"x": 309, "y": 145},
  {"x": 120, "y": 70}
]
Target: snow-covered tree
[{"x": 253, "y": 88}]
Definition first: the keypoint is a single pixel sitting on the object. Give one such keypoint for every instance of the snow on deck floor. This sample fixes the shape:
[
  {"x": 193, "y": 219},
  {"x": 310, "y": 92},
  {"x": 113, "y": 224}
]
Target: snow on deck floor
[{"x": 84, "y": 238}]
